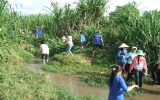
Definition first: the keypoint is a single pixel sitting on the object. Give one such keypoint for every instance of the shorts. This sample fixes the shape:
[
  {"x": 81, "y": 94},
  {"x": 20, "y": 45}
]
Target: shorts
[
  {"x": 82, "y": 44},
  {"x": 97, "y": 45},
  {"x": 45, "y": 57}
]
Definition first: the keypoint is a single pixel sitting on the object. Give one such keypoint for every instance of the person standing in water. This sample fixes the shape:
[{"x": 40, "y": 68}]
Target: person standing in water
[
  {"x": 44, "y": 51},
  {"x": 117, "y": 85},
  {"x": 139, "y": 66}
]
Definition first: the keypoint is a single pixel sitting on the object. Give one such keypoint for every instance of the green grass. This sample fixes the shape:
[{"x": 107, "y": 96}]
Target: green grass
[{"x": 17, "y": 82}]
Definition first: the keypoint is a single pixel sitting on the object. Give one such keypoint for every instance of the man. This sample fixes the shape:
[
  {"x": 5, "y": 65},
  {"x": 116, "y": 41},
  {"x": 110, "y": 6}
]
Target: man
[
  {"x": 82, "y": 40},
  {"x": 98, "y": 42},
  {"x": 45, "y": 51}
]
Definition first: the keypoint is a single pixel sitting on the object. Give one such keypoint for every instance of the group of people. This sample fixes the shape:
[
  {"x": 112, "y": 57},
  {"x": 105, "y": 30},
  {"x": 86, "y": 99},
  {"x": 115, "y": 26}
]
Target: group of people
[
  {"x": 132, "y": 62},
  {"x": 97, "y": 42},
  {"x": 68, "y": 40}
]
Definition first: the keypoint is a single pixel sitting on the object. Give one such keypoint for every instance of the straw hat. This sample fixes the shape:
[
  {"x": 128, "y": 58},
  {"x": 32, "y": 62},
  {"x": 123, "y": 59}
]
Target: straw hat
[
  {"x": 140, "y": 52},
  {"x": 123, "y": 45}
]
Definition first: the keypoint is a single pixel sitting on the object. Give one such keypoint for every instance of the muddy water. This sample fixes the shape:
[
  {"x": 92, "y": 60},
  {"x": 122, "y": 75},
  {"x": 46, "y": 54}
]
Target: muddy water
[
  {"x": 72, "y": 82},
  {"x": 74, "y": 85},
  {"x": 151, "y": 93}
]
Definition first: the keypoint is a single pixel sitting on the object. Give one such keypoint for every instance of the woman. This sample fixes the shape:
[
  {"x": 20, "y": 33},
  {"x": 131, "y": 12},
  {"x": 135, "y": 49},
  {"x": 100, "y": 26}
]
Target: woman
[
  {"x": 122, "y": 55},
  {"x": 130, "y": 57},
  {"x": 69, "y": 43},
  {"x": 139, "y": 65},
  {"x": 117, "y": 84}
]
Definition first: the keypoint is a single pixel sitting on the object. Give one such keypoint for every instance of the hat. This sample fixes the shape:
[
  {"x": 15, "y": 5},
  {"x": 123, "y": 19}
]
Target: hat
[
  {"x": 140, "y": 52},
  {"x": 134, "y": 47},
  {"x": 123, "y": 45}
]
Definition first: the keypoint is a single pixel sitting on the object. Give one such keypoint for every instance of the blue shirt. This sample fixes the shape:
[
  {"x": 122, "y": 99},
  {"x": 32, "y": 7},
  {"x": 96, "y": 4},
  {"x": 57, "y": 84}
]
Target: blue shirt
[
  {"x": 82, "y": 37},
  {"x": 40, "y": 31},
  {"x": 97, "y": 39},
  {"x": 120, "y": 58},
  {"x": 36, "y": 31},
  {"x": 132, "y": 55},
  {"x": 116, "y": 92}
]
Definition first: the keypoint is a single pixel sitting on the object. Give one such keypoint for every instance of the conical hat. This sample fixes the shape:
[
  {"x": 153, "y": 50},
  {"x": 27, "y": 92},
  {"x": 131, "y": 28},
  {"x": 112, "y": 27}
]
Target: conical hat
[{"x": 123, "y": 45}]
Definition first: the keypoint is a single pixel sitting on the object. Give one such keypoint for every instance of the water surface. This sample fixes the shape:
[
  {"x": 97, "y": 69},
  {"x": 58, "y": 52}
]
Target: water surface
[{"x": 74, "y": 85}]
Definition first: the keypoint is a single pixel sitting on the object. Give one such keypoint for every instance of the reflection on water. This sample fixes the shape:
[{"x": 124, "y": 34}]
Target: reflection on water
[{"x": 74, "y": 86}]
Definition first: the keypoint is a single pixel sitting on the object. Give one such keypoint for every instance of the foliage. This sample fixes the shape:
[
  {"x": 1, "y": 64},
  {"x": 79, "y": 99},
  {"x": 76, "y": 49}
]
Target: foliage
[
  {"x": 124, "y": 13},
  {"x": 123, "y": 25}
]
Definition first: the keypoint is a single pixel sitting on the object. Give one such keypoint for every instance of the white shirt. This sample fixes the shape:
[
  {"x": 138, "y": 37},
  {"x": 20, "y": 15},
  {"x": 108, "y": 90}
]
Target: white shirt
[
  {"x": 44, "y": 48},
  {"x": 63, "y": 39},
  {"x": 69, "y": 40}
]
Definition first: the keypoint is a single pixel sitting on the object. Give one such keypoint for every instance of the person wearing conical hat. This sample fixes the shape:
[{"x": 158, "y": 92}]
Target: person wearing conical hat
[
  {"x": 122, "y": 55},
  {"x": 139, "y": 65}
]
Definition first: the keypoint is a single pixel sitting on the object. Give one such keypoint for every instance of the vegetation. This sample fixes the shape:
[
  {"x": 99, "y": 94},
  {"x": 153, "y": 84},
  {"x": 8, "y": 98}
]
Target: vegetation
[{"x": 18, "y": 82}]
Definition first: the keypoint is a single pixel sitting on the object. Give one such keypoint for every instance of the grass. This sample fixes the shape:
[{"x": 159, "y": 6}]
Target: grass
[
  {"x": 17, "y": 82},
  {"x": 92, "y": 71}
]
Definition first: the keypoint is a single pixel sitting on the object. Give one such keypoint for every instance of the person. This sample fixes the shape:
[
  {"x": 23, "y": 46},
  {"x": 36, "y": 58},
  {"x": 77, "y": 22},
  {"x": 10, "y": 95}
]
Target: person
[
  {"x": 97, "y": 42},
  {"x": 82, "y": 40},
  {"x": 45, "y": 51},
  {"x": 122, "y": 55},
  {"x": 158, "y": 65},
  {"x": 130, "y": 57},
  {"x": 139, "y": 65},
  {"x": 40, "y": 31},
  {"x": 69, "y": 43},
  {"x": 117, "y": 85},
  {"x": 36, "y": 31}
]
